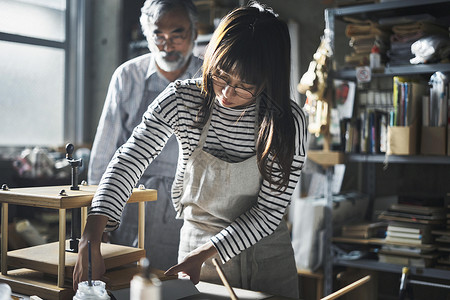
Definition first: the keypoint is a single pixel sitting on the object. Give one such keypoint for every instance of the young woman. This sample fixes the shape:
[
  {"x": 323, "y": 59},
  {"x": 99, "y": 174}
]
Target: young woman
[{"x": 242, "y": 147}]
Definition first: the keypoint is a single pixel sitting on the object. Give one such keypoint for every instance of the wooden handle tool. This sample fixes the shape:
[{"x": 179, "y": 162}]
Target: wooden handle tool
[
  {"x": 347, "y": 288},
  {"x": 224, "y": 279}
]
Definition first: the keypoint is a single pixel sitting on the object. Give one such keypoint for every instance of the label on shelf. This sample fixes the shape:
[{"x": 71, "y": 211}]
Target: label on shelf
[{"x": 363, "y": 74}]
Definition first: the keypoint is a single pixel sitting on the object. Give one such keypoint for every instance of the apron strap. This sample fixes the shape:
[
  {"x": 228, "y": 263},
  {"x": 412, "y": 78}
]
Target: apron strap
[
  {"x": 244, "y": 270},
  {"x": 204, "y": 134}
]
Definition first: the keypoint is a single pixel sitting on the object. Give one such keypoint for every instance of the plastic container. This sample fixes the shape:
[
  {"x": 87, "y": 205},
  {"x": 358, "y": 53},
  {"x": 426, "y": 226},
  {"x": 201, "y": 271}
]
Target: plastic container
[
  {"x": 95, "y": 292},
  {"x": 5, "y": 291},
  {"x": 145, "y": 285},
  {"x": 375, "y": 58}
]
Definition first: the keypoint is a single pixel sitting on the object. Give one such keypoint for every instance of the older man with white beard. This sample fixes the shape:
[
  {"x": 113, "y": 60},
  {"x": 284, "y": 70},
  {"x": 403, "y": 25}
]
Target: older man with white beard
[{"x": 170, "y": 27}]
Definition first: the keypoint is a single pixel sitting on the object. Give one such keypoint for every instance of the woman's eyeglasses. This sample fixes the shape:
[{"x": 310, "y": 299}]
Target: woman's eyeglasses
[{"x": 241, "y": 92}]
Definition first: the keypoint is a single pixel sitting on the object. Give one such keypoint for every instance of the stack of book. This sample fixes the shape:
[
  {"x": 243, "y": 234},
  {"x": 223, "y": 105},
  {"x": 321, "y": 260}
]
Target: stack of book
[
  {"x": 364, "y": 34},
  {"x": 409, "y": 233},
  {"x": 409, "y": 240},
  {"x": 409, "y": 244},
  {"x": 421, "y": 257}
]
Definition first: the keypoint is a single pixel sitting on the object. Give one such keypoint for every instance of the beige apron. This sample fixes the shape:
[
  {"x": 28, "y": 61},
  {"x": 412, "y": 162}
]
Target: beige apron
[{"x": 215, "y": 193}]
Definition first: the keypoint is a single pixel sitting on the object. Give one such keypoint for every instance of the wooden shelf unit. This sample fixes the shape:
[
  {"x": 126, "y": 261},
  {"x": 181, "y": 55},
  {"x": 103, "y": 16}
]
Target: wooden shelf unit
[
  {"x": 52, "y": 259},
  {"x": 335, "y": 19}
]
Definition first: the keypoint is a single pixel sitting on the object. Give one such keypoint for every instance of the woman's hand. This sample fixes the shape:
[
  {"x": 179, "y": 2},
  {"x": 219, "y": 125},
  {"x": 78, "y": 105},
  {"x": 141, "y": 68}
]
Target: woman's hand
[
  {"x": 80, "y": 272},
  {"x": 192, "y": 263},
  {"x": 93, "y": 232}
]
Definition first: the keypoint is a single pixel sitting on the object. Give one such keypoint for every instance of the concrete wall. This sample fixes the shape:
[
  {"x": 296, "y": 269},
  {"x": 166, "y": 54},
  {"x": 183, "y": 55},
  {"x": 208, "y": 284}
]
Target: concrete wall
[{"x": 103, "y": 56}]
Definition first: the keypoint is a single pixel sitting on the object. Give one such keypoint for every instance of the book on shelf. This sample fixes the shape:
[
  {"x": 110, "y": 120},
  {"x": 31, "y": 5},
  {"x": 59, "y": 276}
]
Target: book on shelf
[
  {"x": 423, "y": 261},
  {"x": 443, "y": 261},
  {"x": 363, "y": 135},
  {"x": 426, "y": 111},
  {"x": 410, "y": 218},
  {"x": 444, "y": 249},
  {"x": 421, "y": 200},
  {"x": 442, "y": 235},
  {"x": 347, "y": 135},
  {"x": 415, "y": 213},
  {"x": 442, "y": 239},
  {"x": 350, "y": 137},
  {"x": 408, "y": 228},
  {"x": 419, "y": 209},
  {"x": 407, "y": 101},
  {"x": 406, "y": 235},
  {"x": 404, "y": 240},
  {"x": 364, "y": 230},
  {"x": 415, "y": 216},
  {"x": 408, "y": 250},
  {"x": 372, "y": 131}
]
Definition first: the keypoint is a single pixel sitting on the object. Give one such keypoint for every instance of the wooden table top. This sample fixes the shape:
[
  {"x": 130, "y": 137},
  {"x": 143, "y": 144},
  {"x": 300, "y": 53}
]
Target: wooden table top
[{"x": 50, "y": 197}]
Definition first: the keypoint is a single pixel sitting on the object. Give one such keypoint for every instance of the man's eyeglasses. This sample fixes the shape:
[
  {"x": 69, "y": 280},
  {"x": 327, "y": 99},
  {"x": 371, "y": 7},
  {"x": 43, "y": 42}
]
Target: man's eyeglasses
[
  {"x": 175, "y": 38},
  {"x": 241, "y": 92}
]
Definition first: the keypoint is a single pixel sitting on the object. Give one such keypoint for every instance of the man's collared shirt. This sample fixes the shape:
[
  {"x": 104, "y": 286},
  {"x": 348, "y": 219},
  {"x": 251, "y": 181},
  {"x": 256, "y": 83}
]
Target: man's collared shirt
[{"x": 134, "y": 85}]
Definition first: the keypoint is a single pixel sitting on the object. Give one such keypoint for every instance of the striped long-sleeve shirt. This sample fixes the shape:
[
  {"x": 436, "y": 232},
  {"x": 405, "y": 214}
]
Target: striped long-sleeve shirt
[{"x": 231, "y": 137}]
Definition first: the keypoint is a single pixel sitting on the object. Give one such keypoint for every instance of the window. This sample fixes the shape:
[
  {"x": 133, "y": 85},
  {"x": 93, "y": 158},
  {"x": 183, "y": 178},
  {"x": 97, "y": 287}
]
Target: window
[{"x": 41, "y": 55}]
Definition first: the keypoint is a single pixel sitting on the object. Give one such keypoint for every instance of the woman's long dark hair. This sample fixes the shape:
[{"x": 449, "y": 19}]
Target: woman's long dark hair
[{"x": 252, "y": 43}]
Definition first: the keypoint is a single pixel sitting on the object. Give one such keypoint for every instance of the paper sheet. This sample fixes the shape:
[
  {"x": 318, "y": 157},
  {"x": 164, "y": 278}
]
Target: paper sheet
[{"x": 214, "y": 291}]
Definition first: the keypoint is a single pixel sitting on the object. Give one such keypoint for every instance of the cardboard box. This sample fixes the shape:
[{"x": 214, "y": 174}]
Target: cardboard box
[
  {"x": 402, "y": 140},
  {"x": 433, "y": 141}
]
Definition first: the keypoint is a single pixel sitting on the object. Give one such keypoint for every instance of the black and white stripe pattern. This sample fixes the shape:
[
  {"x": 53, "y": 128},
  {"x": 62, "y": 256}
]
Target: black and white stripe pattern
[{"x": 231, "y": 137}]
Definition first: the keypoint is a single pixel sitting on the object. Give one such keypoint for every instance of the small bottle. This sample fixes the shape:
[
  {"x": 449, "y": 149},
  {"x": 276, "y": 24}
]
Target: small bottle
[
  {"x": 145, "y": 285},
  {"x": 375, "y": 59}
]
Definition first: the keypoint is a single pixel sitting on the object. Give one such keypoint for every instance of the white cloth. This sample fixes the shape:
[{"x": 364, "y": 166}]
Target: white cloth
[
  {"x": 308, "y": 232},
  {"x": 217, "y": 192}
]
